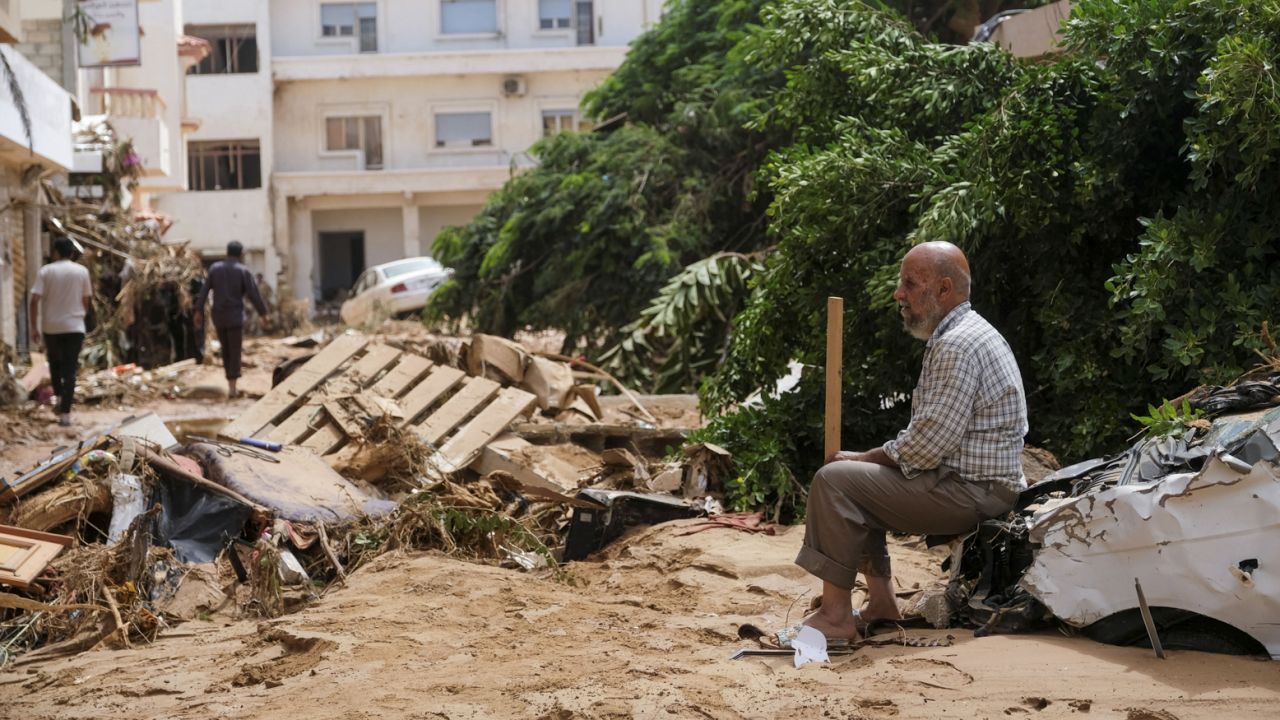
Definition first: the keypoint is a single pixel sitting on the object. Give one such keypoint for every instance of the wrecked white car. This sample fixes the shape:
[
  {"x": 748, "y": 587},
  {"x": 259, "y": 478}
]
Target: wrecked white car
[{"x": 1194, "y": 521}]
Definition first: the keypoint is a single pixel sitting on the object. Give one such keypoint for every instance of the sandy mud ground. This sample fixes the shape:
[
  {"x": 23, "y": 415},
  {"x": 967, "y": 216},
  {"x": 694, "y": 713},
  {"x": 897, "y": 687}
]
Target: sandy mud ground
[{"x": 643, "y": 631}]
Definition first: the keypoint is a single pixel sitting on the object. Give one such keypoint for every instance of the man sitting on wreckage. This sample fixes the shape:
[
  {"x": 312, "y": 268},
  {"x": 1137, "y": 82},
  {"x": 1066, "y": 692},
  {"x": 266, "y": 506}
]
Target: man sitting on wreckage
[{"x": 957, "y": 462}]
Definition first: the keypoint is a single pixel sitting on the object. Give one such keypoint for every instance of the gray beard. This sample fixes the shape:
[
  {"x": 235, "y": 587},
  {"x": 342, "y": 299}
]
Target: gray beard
[{"x": 924, "y": 326}]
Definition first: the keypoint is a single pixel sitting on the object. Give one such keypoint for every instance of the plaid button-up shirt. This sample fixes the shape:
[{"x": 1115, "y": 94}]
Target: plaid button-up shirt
[{"x": 968, "y": 411}]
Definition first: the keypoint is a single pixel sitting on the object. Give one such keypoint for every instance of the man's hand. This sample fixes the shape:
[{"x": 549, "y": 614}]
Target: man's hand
[
  {"x": 35, "y": 336},
  {"x": 874, "y": 455},
  {"x": 198, "y": 319}
]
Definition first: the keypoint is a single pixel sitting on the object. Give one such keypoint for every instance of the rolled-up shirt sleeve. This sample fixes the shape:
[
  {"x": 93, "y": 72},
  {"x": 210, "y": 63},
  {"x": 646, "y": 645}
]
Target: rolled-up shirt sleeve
[{"x": 943, "y": 408}]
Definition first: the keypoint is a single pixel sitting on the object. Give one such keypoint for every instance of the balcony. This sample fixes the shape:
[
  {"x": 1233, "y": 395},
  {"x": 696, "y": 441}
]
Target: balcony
[
  {"x": 49, "y": 108},
  {"x": 312, "y": 183},
  {"x": 137, "y": 115},
  {"x": 436, "y": 63}
]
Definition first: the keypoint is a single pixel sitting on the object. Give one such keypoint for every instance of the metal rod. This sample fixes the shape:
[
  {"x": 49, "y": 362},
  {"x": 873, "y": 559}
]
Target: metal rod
[{"x": 1148, "y": 620}]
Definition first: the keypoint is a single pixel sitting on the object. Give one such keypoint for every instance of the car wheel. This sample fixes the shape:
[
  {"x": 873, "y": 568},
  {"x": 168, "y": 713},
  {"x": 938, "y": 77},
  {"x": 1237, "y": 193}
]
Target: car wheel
[{"x": 1178, "y": 630}]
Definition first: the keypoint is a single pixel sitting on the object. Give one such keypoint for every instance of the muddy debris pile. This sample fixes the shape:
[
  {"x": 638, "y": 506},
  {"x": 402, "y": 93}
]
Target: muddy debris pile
[{"x": 474, "y": 447}]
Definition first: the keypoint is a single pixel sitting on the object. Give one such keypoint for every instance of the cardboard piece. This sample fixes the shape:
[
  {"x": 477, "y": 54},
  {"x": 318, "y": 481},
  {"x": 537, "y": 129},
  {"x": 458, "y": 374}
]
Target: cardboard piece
[
  {"x": 532, "y": 465},
  {"x": 497, "y": 358},
  {"x": 149, "y": 427},
  {"x": 669, "y": 480},
  {"x": 550, "y": 381}
]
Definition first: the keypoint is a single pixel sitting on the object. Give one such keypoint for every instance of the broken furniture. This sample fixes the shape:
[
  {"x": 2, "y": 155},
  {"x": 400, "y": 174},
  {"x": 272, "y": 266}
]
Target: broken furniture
[{"x": 25, "y": 553}]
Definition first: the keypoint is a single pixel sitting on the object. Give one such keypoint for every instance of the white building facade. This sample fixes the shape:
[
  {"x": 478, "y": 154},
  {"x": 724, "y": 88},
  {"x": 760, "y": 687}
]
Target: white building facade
[
  {"x": 30, "y": 150},
  {"x": 334, "y": 136}
]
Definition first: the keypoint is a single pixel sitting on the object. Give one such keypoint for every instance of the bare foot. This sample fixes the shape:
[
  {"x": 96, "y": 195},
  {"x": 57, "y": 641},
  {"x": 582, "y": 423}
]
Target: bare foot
[
  {"x": 881, "y": 611},
  {"x": 845, "y": 628}
]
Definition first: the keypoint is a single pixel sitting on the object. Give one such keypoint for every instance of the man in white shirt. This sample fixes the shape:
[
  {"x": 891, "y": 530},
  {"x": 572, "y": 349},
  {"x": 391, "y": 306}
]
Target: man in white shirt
[{"x": 62, "y": 290}]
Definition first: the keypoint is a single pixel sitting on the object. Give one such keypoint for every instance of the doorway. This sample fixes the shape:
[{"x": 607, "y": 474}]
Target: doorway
[{"x": 341, "y": 262}]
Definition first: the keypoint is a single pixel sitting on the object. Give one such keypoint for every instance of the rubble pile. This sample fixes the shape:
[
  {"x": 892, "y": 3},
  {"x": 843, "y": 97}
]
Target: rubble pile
[
  {"x": 143, "y": 288},
  {"x": 477, "y": 448}
]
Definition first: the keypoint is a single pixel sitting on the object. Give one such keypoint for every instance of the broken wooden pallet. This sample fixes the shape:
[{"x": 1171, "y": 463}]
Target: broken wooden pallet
[{"x": 323, "y": 405}]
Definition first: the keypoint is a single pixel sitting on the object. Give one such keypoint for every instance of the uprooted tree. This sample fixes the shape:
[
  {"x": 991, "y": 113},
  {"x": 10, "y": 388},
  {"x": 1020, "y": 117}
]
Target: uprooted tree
[{"x": 1116, "y": 202}]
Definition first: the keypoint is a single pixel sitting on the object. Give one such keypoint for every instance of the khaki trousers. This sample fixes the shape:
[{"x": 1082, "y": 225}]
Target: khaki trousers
[{"x": 852, "y": 504}]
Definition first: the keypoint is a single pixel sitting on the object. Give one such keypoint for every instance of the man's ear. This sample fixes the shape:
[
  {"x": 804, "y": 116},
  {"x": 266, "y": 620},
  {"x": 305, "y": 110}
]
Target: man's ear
[{"x": 946, "y": 286}]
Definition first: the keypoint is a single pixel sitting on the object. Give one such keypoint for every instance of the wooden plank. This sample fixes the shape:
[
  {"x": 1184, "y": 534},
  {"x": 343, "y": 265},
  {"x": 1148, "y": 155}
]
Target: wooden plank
[
  {"x": 297, "y": 425},
  {"x": 355, "y": 378},
  {"x": 464, "y": 447},
  {"x": 378, "y": 358},
  {"x": 475, "y": 393},
  {"x": 63, "y": 540},
  {"x": 404, "y": 374},
  {"x": 325, "y": 439},
  {"x": 285, "y": 395},
  {"x": 835, "y": 361},
  {"x": 440, "y": 381},
  {"x": 348, "y": 424}
]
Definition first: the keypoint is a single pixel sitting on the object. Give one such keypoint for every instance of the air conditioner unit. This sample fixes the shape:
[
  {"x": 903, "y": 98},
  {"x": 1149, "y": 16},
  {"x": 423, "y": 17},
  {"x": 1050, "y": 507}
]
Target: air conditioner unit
[{"x": 513, "y": 86}]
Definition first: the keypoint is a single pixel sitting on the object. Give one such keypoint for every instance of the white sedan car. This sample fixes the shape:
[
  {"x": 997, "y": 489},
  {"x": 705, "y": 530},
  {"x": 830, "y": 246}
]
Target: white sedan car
[{"x": 397, "y": 288}]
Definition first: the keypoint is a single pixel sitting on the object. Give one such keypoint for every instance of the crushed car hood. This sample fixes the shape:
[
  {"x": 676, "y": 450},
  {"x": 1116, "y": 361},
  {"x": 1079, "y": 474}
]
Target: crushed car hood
[{"x": 1196, "y": 522}]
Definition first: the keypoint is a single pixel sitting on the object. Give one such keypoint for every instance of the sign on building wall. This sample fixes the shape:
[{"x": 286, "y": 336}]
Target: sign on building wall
[{"x": 110, "y": 32}]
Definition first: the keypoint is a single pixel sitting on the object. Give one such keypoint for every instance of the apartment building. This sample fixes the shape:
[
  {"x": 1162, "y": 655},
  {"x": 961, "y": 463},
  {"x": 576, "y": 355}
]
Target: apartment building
[
  {"x": 34, "y": 144},
  {"x": 338, "y": 135}
]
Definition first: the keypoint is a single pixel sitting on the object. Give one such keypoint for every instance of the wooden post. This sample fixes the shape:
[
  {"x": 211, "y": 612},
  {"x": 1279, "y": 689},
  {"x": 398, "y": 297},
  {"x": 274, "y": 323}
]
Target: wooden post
[{"x": 835, "y": 357}]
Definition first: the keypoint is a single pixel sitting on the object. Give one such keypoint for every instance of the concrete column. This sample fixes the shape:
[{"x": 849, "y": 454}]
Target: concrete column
[
  {"x": 12, "y": 237},
  {"x": 412, "y": 230},
  {"x": 33, "y": 257},
  {"x": 303, "y": 254},
  {"x": 278, "y": 252},
  {"x": 33, "y": 220}
]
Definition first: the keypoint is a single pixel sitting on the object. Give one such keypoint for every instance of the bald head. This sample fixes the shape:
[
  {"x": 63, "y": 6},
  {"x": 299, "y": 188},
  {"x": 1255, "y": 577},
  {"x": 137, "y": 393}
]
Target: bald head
[
  {"x": 943, "y": 260},
  {"x": 934, "y": 279}
]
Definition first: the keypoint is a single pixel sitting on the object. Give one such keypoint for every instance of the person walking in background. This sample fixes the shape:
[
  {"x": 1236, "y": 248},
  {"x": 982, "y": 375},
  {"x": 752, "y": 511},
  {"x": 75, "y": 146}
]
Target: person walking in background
[
  {"x": 59, "y": 303},
  {"x": 230, "y": 282}
]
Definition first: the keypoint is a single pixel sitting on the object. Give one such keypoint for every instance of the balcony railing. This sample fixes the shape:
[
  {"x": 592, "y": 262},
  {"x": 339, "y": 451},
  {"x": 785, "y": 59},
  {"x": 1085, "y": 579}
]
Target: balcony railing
[{"x": 126, "y": 102}]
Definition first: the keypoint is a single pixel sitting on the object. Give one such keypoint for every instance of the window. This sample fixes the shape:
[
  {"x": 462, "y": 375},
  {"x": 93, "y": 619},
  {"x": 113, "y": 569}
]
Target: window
[
  {"x": 351, "y": 20},
  {"x": 468, "y": 16},
  {"x": 464, "y": 129},
  {"x": 356, "y": 133},
  {"x": 366, "y": 281},
  {"x": 409, "y": 266},
  {"x": 224, "y": 165},
  {"x": 554, "y": 14},
  {"x": 584, "y": 13},
  {"x": 233, "y": 49},
  {"x": 557, "y": 121}
]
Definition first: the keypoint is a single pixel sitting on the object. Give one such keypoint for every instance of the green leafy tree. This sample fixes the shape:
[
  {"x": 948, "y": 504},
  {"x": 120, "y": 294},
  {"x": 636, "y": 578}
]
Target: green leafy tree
[{"x": 1116, "y": 203}]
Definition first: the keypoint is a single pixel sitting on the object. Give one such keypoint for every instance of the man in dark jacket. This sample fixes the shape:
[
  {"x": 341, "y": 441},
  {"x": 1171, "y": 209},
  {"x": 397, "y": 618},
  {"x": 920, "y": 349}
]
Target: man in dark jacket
[{"x": 230, "y": 282}]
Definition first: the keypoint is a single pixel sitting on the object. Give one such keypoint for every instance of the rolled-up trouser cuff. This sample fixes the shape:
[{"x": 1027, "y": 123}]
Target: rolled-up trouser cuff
[
  {"x": 824, "y": 568},
  {"x": 876, "y": 566}
]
